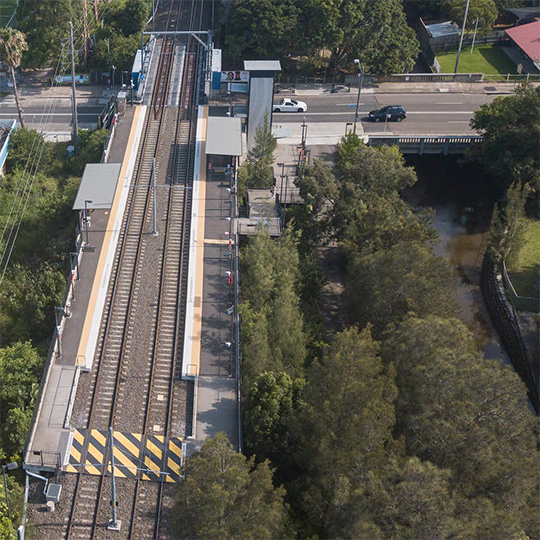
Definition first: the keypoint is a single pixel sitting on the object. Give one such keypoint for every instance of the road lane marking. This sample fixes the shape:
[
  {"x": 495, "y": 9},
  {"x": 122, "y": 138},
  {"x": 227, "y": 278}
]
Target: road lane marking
[{"x": 367, "y": 112}]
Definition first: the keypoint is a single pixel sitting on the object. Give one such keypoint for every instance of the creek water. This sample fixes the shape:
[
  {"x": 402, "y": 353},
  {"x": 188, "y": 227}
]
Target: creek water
[{"x": 463, "y": 201}]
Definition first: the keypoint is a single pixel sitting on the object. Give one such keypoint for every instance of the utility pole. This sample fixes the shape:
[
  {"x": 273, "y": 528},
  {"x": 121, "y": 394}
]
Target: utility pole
[
  {"x": 85, "y": 33},
  {"x": 74, "y": 98},
  {"x": 360, "y": 82},
  {"x": 462, "y": 35},
  {"x": 114, "y": 524},
  {"x": 474, "y": 36}
]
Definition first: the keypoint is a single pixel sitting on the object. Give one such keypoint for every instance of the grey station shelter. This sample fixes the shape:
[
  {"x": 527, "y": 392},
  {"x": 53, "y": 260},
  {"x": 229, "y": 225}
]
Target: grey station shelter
[
  {"x": 223, "y": 136},
  {"x": 98, "y": 185},
  {"x": 261, "y": 94}
]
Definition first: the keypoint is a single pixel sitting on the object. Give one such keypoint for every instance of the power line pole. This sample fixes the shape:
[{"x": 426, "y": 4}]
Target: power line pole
[
  {"x": 462, "y": 35},
  {"x": 74, "y": 98},
  {"x": 85, "y": 33}
]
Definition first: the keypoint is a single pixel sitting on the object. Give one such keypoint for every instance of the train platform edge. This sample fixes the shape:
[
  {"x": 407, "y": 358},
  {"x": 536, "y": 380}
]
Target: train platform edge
[{"x": 51, "y": 437}]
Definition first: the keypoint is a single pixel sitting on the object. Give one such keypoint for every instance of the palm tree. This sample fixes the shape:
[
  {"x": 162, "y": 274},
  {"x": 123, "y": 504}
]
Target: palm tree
[{"x": 12, "y": 45}]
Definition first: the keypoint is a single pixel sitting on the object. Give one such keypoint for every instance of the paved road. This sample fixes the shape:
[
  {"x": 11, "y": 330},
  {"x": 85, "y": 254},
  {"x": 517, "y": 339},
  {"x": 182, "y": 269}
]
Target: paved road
[
  {"x": 59, "y": 115},
  {"x": 439, "y": 113}
]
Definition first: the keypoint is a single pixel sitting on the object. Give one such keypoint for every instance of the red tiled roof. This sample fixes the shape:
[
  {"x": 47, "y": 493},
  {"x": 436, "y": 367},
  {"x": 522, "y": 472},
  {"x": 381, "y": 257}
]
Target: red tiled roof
[{"x": 527, "y": 38}]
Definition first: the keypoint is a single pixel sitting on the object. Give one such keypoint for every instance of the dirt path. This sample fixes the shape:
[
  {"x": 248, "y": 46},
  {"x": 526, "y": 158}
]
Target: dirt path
[{"x": 332, "y": 293}]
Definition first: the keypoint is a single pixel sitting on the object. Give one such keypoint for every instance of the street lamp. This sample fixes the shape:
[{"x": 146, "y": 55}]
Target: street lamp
[
  {"x": 113, "y": 70},
  {"x": 9, "y": 467},
  {"x": 360, "y": 76}
]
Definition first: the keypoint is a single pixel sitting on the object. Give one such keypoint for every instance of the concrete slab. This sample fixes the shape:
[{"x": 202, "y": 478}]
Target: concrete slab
[{"x": 217, "y": 405}]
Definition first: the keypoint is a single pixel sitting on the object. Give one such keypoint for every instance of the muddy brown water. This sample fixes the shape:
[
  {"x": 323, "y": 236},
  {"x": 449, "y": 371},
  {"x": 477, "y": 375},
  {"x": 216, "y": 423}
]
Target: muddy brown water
[{"x": 462, "y": 200}]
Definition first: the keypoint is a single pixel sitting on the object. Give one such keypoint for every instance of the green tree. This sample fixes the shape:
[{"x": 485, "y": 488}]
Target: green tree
[
  {"x": 115, "y": 49},
  {"x": 257, "y": 171},
  {"x": 223, "y": 495},
  {"x": 46, "y": 24},
  {"x": 129, "y": 17},
  {"x": 28, "y": 303},
  {"x": 385, "y": 43},
  {"x": 511, "y": 128},
  {"x": 369, "y": 213},
  {"x": 7, "y": 531},
  {"x": 12, "y": 47},
  {"x": 272, "y": 324},
  {"x": 256, "y": 355},
  {"x": 271, "y": 402},
  {"x": 20, "y": 372},
  {"x": 506, "y": 229},
  {"x": 469, "y": 415},
  {"x": 25, "y": 145},
  {"x": 260, "y": 28},
  {"x": 386, "y": 286},
  {"x": 411, "y": 500},
  {"x": 347, "y": 424},
  {"x": 16, "y": 497},
  {"x": 485, "y": 11}
]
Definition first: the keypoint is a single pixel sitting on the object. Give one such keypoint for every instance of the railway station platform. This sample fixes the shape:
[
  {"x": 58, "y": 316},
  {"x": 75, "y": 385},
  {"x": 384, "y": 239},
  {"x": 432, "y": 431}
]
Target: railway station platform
[
  {"x": 50, "y": 438},
  {"x": 52, "y": 443}
]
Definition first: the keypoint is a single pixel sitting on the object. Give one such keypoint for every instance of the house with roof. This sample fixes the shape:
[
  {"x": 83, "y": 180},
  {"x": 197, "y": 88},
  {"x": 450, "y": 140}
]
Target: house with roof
[{"x": 526, "y": 43}]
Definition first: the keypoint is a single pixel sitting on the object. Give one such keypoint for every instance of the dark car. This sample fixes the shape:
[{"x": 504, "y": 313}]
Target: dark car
[{"x": 390, "y": 112}]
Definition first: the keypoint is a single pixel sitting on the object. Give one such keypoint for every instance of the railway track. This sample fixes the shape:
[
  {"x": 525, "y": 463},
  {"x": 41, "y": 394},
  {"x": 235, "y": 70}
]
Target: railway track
[{"x": 134, "y": 387}]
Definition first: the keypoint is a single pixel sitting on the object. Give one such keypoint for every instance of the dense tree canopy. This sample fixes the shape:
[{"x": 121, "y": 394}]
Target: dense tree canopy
[
  {"x": 20, "y": 372},
  {"x": 46, "y": 24},
  {"x": 406, "y": 278},
  {"x": 374, "y": 31},
  {"x": 347, "y": 423},
  {"x": 273, "y": 337},
  {"x": 511, "y": 127},
  {"x": 467, "y": 414},
  {"x": 222, "y": 495},
  {"x": 485, "y": 11},
  {"x": 416, "y": 436},
  {"x": 385, "y": 44}
]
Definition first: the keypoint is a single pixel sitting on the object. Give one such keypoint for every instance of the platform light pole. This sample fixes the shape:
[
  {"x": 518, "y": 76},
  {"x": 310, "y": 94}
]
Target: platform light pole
[
  {"x": 360, "y": 76},
  {"x": 10, "y": 467},
  {"x": 462, "y": 35},
  {"x": 86, "y": 220}
]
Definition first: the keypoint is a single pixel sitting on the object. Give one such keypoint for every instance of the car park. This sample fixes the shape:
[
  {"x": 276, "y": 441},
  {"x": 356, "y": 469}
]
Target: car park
[
  {"x": 390, "y": 112},
  {"x": 290, "y": 105}
]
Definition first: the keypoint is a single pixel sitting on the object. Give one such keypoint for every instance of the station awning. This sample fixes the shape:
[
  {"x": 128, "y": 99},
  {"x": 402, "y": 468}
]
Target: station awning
[
  {"x": 224, "y": 136},
  {"x": 98, "y": 186}
]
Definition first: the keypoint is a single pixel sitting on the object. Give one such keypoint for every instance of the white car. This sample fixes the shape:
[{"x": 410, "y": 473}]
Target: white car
[{"x": 290, "y": 105}]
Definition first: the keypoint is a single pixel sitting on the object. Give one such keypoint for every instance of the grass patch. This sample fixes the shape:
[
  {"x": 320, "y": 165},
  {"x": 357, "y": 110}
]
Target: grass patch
[
  {"x": 524, "y": 268},
  {"x": 7, "y": 8},
  {"x": 488, "y": 58}
]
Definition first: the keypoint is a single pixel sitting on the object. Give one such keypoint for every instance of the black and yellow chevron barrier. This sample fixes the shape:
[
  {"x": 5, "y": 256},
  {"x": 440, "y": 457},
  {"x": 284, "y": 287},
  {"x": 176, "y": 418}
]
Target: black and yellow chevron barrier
[{"x": 147, "y": 457}]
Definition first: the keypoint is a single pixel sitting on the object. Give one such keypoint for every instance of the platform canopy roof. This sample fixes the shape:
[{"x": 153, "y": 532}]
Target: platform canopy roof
[
  {"x": 262, "y": 65},
  {"x": 224, "y": 136},
  {"x": 98, "y": 185}
]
